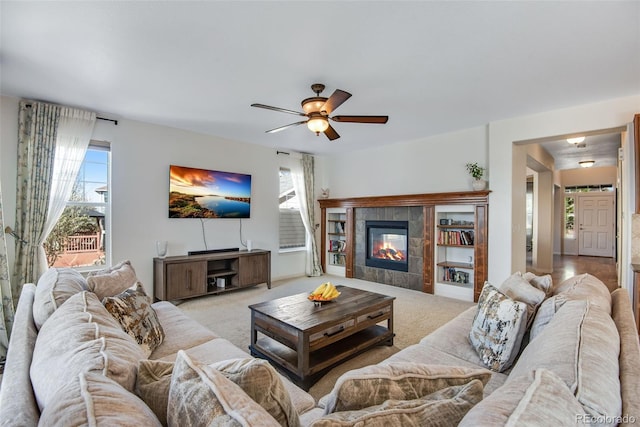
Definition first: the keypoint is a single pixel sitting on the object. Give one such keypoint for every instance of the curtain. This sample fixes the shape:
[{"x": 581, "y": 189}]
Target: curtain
[
  {"x": 37, "y": 125},
  {"x": 302, "y": 174},
  {"x": 6, "y": 309},
  {"x": 73, "y": 136},
  {"x": 52, "y": 141}
]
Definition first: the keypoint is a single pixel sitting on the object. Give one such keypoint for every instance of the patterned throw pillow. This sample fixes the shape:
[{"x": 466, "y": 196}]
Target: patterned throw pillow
[
  {"x": 113, "y": 280},
  {"x": 132, "y": 308},
  {"x": 442, "y": 408},
  {"x": 200, "y": 395},
  {"x": 498, "y": 328},
  {"x": 256, "y": 377},
  {"x": 375, "y": 384}
]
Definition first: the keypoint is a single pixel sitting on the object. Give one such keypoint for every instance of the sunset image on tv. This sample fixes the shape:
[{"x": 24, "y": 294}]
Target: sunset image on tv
[{"x": 201, "y": 193}]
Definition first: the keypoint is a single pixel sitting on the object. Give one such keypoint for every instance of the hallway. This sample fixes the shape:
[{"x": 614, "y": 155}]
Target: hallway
[{"x": 565, "y": 266}]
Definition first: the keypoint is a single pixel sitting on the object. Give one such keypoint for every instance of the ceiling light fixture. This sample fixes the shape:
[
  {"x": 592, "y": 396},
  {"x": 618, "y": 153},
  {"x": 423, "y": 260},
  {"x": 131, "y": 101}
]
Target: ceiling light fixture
[
  {"x": 576, "y": 140},
  {"x": 318, "y": 124},
  {"x": 586, "y": 163}
]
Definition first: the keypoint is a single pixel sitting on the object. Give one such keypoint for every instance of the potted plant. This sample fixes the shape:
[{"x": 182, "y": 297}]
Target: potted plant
[{"x": 476, "y": 173}]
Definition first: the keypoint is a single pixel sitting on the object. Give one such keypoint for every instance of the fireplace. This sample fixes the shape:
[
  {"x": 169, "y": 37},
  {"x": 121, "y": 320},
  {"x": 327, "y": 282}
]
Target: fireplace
[{"x": 387, "y": 245}]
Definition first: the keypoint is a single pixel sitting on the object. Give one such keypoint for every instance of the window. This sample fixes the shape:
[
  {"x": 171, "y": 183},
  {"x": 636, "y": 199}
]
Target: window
[
  {"x": 292, "y": 232},
  {"x": 81, "y": 235},
  {"x": 570, "y": 217}
]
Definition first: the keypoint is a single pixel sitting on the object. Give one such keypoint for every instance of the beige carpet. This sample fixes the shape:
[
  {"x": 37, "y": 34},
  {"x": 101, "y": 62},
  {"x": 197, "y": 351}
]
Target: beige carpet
[{"x": 416, "y": 314}]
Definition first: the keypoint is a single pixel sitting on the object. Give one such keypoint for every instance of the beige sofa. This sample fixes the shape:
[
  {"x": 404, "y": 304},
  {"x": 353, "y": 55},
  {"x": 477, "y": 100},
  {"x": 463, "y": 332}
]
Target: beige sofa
[{"x": 581, "y": 367}]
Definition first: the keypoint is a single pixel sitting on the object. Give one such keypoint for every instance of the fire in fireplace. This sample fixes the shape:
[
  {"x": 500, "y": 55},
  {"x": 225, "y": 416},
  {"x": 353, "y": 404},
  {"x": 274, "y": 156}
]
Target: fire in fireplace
[{"x": 387, "y": 244}]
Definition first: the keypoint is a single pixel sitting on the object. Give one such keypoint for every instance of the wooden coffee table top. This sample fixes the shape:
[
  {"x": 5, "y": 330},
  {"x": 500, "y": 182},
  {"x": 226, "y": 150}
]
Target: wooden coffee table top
[{"x": 301, "y": 313}]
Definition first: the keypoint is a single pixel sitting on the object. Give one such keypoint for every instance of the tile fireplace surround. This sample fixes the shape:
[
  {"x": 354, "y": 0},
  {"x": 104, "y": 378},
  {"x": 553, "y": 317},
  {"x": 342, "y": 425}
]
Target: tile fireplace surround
[{"x": 411, "y": 279}]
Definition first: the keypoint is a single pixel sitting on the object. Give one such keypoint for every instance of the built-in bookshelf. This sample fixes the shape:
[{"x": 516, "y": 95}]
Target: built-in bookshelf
[
  {"x": 336, "y": 241},
  {"x": 455, "y": 251}
]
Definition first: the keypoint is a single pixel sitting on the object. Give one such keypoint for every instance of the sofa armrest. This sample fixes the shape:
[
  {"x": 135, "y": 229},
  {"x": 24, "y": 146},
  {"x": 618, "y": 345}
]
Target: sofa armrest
[
  {"x": 622, "y": 315},
  {"x": 17, "y": 401}
]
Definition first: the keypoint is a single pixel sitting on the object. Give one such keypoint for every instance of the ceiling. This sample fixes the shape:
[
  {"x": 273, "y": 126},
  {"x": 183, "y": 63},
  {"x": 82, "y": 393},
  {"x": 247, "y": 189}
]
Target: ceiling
[
  {"x": 601, "y": 148},
  {"x": 432, "y": 66}
]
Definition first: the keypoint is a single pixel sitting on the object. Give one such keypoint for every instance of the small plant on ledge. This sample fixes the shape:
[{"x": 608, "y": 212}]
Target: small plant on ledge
[{"x": 476, "y": 172}]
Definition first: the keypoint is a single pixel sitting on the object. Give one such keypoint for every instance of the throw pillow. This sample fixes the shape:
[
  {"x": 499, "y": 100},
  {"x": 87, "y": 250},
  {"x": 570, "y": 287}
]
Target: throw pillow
[
  {"x": 132, "y": 308},
  {"x": 517, "y": 288},
  {"x": 111, "y": 281},
  {"x": 545, "y": 313},
  {"x": 256, "y": 377},
  {"x": 54, "y": 287},
  {"x": 544, "y": 283},
  {"x": 373, "y": 385},
  {"x": 91, "y": 399},
  {"x": 200, "y": 395},
  {"x": 442, "y": 408},
  {"x": 498, "y": 328},
  {"x": 539, "y": 398}
]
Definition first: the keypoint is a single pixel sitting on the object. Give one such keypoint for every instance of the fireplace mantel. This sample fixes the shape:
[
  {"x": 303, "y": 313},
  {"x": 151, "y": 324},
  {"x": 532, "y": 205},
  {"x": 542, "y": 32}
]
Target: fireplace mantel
[
  {"x": 427, "y": 199},
  {"x": 428, "y": 202}
]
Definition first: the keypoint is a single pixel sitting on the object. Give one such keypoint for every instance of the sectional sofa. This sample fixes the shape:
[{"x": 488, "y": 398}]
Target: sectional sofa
[{"x": 570, "y": 356}]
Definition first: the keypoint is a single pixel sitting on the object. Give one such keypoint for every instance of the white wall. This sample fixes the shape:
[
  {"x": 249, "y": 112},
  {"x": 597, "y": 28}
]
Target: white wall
[
  {"x": 430, "y": 165},
  {"x": 141, "y": 155}
]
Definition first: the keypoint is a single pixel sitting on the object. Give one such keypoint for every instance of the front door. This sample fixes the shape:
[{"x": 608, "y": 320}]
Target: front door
[{"x": 596, "y": 220}]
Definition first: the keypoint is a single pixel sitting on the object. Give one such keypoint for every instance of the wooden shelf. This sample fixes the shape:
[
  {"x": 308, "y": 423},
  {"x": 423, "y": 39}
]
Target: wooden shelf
[{"x": 454, "y": 264}]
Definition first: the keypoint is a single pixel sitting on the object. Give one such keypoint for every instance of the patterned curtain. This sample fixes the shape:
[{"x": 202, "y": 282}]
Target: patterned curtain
[
  {"x": 303, "y": 184},
  {"x": 6, "y": 309},
  {"x": 37, "y": 127}
]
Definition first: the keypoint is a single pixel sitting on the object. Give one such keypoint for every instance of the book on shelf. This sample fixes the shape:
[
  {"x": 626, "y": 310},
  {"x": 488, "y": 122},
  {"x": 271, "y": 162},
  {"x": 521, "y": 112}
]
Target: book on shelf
[
  {"x": 464, "y": 238},
  {"x": 450, "y": 274},
  {"x": 337, "y": 245}
]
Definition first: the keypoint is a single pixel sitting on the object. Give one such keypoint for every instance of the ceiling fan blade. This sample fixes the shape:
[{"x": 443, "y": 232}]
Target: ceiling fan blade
[
  {"x": 331, "y": 133},
  {"x": 361, "y": 119},
  {"x": 335, "y": 100},
  {"x": 282, "y": 110},
  {"x": 278, "y": 129}
]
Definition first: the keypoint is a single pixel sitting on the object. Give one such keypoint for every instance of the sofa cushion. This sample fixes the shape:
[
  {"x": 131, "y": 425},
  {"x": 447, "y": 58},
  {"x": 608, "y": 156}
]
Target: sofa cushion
[
  {"x": 372, "y": 385},
  {"x": 92, "y": 399},
  {"x": 444, "y": 407},
  {"x": 256, "y": 377},
  {"x": 113, "y": 280},
  {"x": 81, "y": 336},
  {"x": 581, "y": 346},
  {"x": 519, "y": 289},
  {"x": 539, "y": 398},
  {"x": 498, "y": 328},
  {"x": 180, "y": 331},
  {"x": 585, "y": 286},
  {"x": 132, "y": 309},
  {"x": 200, "y": 395},
  {"x": 55, "y": 286},
  {"x": 544, "y": 283}
]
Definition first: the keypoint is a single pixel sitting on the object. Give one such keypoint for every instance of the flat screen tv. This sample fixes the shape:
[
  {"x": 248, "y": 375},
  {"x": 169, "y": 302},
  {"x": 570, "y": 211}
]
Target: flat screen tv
[{"x": 202, "y": 193}]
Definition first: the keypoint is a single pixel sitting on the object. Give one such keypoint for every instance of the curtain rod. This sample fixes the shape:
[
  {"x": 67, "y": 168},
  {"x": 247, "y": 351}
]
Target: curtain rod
[{"x": 115, "y": 122}]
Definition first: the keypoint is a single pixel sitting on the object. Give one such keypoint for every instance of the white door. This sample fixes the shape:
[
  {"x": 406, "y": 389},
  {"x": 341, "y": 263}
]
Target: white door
[{"x": 596, "y": 218}]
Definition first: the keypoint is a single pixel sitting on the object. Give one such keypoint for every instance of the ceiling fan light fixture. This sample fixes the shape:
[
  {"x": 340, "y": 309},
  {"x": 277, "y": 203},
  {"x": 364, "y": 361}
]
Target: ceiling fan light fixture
[
  {"x": 576, "y": 140},
  {"x": 313, "y": 105},
  {"x": 318, "y": 124},
  {"x": 586, "y": 163}
]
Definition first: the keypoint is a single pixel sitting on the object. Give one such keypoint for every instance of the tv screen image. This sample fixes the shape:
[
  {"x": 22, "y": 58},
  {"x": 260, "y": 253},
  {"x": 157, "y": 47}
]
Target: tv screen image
[{"x": 202, "y": 193}]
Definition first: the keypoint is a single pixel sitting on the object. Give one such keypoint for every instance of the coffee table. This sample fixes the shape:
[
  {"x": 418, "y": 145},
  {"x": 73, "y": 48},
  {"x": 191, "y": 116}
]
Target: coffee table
[{"x": 305, "y": 340}]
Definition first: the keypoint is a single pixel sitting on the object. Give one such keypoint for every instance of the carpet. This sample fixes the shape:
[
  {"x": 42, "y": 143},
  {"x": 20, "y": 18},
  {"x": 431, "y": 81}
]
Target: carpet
[{"x": 416, "y": 314}]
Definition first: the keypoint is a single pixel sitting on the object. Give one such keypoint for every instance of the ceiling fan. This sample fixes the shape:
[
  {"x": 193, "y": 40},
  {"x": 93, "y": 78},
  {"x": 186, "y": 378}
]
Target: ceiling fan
[{"x": 317, "y": 110}]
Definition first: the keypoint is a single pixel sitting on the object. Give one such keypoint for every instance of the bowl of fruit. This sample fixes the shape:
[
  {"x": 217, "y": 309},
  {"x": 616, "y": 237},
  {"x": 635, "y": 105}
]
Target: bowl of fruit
[{"x": 324, "y": 293}]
